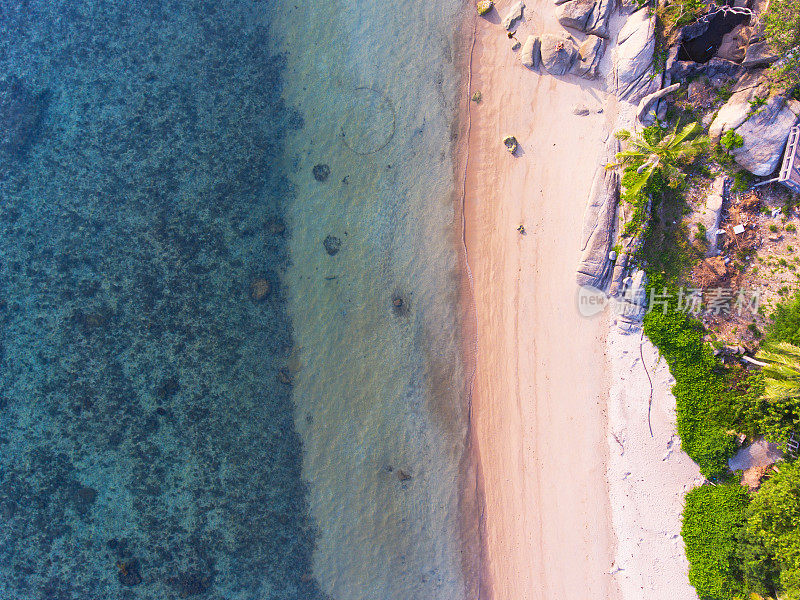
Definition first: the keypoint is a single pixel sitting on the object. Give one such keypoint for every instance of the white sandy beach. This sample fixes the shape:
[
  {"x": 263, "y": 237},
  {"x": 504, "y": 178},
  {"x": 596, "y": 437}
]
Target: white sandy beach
[
  {"x": 541, "y": 383},
  {"x": 561, "y": 518},
  {"x": 648, "y": 474}
]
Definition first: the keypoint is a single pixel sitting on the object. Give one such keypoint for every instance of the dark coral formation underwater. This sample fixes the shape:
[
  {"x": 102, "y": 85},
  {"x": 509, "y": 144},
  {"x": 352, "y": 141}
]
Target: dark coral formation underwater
[{"x": 147, "y": 446}]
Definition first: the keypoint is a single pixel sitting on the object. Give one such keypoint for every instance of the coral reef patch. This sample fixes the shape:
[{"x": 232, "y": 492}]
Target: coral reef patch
[{"x": 147, "y": 447}]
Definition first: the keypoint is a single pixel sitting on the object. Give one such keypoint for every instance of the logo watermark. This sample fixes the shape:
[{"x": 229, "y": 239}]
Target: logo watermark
[{"x": 693, "y": 301}]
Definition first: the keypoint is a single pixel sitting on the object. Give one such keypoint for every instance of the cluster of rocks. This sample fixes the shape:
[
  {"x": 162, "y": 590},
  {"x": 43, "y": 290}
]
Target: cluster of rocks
[
  {"x": 559, "y": 54},
  {"x": 589, "y": 16},
  {"x": 760, "y": 119}
]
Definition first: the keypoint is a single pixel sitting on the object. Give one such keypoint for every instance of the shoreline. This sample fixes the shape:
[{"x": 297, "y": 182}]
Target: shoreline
[
  {"x": 531, "y": 499},
  {"x": 471, "y": 491}
]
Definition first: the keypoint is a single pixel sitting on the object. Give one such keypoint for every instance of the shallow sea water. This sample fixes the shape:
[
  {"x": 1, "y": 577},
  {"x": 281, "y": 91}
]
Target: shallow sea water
[{"x": 197, "y": 399}]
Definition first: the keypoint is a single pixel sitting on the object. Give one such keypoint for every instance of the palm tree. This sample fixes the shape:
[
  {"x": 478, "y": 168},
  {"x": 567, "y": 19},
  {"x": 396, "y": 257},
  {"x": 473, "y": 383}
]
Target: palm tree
[
  {"x": 781, "y": 371},
  {"x": 652, "y": 151}
]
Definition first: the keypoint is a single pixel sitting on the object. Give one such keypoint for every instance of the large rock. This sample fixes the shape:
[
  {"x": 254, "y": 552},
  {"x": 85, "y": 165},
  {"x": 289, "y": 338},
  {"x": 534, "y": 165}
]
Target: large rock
[
  {"x": 649, "y": 109},
  {"x": 710, "y": 215},
  {"x": 531, "y": 53},
  {"x": 738, "y": 108},
  {"x": 635, "y": 74},
  {"x": 632, "y": 297},
  {"x": 734, "y": 44},
  {"x": 575, "y": 13},
  {"x": 558, "y": 52},
  {"x": 600, "y": 17},
  {"x": 589, "y": 54},
  {"x": 759, "y": 54},
  {"x": 591, "y": 16},
  {"x": 598, "y": 221},
  {"x": 764, "y": 135},
  {"x": 513, "y": 15}
]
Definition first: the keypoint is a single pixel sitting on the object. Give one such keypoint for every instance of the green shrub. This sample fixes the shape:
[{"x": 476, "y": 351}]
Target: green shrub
[
  {"x": 778, "y": 418},
  {"x": 757, "y": 102},
  {"x": 742, "y": 407},
  {"x": 742, "y": 180},
  {"x": 773, "y": 534},
  {"x": 731, "y": 140},
  {"x": 699, "y": 384},
  {"x": 791, "y": 228},
  {"x": 785, "y": 325},
  {"x": 713, "y": 520}
]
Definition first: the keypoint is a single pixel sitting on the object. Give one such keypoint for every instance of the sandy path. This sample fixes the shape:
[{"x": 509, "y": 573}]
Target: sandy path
[
  {"x": 648, "y": 474},
  {"x": 541, "y": 382}
]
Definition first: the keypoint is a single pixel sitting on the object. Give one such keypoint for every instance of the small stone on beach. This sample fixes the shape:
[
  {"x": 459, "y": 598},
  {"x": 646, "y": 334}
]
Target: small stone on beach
[{"x": 510, "y": 142}]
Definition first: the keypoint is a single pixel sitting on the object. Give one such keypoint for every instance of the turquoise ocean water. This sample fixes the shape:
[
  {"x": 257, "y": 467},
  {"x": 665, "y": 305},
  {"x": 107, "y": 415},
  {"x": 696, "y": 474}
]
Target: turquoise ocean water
[{"x": 230, "y": 349}]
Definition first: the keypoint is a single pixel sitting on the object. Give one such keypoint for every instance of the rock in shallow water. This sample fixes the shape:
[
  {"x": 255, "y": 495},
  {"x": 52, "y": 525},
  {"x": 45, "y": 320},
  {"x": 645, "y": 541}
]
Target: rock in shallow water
[
  {"x": 332, "y": 245},
  {"x": 321, "y": 172},
  {"x": 259, "y": 289},
  {"x": 128, "y": 573}
]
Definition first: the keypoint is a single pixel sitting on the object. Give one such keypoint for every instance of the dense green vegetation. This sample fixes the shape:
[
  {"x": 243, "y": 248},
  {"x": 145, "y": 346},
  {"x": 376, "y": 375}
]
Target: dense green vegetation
[
  {"x": 786, "y": 323},
  {"x": 654, "y": 165},
  {"x": 652, "y": 162},
  {"x": 770, "y": 544},
  {"x": 713, "y": 520},
  {"x": 736, "y": 542},
  {"x": 700, "y": 383},
  {"x": 731, "y": 140},
  {"x": 782, "y": 32}
]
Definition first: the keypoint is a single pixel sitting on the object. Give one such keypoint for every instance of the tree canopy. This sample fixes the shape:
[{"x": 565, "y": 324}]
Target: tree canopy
[{"x": 773, "y": 523}]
